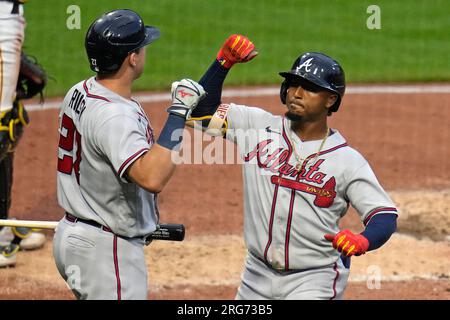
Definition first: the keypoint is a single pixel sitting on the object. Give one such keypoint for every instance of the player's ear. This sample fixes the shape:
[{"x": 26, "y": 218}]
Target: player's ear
[
  {"x": 132, "y": 59},
  {"x": 332, "y": 98}
]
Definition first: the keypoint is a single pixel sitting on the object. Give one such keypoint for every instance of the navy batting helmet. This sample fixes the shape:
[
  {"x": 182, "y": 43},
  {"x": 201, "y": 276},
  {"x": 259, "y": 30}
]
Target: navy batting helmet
[
  {"x": 113, "y": 36},
  {"x": 319, "y": 69}
]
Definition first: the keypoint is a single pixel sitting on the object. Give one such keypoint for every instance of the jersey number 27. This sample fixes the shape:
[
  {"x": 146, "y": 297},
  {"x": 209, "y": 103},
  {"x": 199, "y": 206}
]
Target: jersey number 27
[{"x": 67, "y": 164}]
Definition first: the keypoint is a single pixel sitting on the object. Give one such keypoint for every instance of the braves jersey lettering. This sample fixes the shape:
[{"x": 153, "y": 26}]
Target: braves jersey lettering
[
  {"x": 77, "y": 102},
  {"x": 288, "y": 210},
  {"x": 101, "y": 135},
  {"x": 276, "y": 162}
]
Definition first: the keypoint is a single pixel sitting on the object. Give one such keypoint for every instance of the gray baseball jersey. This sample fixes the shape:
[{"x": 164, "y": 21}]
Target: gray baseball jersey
[
  {"x": 288, "y": 209},
  {"x": 101, "y": 135}
]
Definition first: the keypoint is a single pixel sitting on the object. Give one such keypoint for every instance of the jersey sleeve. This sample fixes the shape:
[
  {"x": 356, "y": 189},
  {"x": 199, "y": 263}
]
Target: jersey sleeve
[
  {"x": 241, "y": 118},
  {"x": 367, "y": 196},
  {"x": 122, "y": 140}
]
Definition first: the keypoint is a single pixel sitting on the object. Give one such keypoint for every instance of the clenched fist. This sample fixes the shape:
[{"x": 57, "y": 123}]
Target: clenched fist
[
  {"x": 237, "y": 48},
  {"x": 348, "y": 243},
  {"x": 185, "y": 96}
]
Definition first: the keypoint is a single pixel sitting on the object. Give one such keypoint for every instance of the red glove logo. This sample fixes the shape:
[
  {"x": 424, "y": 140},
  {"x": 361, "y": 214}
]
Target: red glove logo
[
  {"x": 348, "y": 243},
  {"x": 184, "y": 94}
]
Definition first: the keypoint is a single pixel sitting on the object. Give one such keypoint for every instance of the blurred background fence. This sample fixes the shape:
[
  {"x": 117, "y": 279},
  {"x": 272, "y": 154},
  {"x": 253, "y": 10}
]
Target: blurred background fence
[{"x": 412, "y": 43}]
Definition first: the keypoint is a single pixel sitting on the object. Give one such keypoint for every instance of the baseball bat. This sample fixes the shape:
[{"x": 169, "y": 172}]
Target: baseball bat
[
  {"x": 28, "y": 224},
  {"x": 169, "y": 231},
  {"x": 166, "y": 231}
]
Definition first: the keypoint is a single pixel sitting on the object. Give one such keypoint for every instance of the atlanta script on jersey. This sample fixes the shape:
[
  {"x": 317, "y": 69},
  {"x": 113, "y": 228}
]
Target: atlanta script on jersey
[{"x": 287, "y": 210}]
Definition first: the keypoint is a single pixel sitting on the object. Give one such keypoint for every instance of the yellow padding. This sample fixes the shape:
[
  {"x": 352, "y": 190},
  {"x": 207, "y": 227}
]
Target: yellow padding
[
  {"x": 13, "y": 122},
  {"x": 11, "y": 130},
  {"x": 18, "y": 234},
  {"x": 13, "y": 252},
  {"x": 21, "y": 117}
]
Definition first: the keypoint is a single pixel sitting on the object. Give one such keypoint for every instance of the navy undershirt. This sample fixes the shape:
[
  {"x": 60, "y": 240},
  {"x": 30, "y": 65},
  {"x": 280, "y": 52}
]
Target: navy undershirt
[
  {"x": 379, "y": 229},
  {"x": 212, "y": 82}
]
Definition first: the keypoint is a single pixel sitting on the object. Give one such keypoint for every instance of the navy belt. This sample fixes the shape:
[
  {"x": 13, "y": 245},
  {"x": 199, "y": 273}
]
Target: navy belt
[
  {"x": 93, "y": 223},
  {"x": 280, "y": 271}
]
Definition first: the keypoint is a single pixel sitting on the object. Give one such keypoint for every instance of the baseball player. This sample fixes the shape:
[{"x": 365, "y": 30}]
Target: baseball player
[
  {"x": 13, "y": 119},
  {"x": 110, "y": 169},
  {"x": 300, "y": 176}
]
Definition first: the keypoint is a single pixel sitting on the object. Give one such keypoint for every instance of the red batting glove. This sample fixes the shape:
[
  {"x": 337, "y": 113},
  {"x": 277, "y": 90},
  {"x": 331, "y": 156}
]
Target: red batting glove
[
  {"x": 237, "y": 48},
  {"x": 348, "y": 243}
]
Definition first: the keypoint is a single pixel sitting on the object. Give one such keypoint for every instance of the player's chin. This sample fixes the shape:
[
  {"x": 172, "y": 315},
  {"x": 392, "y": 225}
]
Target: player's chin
[
  {"x": 293, "y": 116},
  {"x": 295, "y": 112}
]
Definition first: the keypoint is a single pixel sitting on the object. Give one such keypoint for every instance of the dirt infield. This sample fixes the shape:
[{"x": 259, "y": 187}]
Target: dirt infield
[{"x": 405, "y": 137}]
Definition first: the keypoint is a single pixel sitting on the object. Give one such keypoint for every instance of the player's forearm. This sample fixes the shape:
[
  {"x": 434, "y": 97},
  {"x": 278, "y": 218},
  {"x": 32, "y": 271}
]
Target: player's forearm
[
  {"x": 153, "y": 170},
  {"x": 212, "y": 81},
  {"x": 379, "y": 230}
]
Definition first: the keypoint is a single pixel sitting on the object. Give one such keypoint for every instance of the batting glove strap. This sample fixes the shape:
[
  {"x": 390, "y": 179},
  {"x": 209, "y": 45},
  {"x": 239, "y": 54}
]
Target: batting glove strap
[
  {"x": 349, "y": 243},
  {"x": 186, "y": 95},
  {"x": 236, "y": 49}
]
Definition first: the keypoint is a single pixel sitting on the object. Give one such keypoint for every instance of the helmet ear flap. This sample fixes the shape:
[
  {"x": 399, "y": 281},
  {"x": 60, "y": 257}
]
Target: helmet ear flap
[
  {"x": 283, "y": 91},
  {"x": 335, "y": 106}
]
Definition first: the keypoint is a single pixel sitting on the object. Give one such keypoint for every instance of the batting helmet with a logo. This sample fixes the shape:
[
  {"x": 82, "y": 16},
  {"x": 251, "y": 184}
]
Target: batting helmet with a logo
[
  {"x": 319, "y": 69},
  {"x": 113, "y": 36}
]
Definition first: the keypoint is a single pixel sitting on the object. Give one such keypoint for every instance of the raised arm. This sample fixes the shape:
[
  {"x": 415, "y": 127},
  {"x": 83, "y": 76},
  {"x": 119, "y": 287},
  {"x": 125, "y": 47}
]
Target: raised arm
[
  {"x": 236, "y": 49},
  {"x": 153, "y": 170}
]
